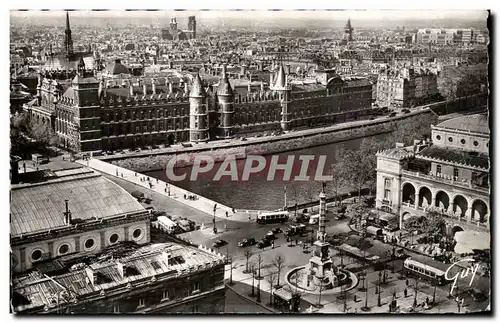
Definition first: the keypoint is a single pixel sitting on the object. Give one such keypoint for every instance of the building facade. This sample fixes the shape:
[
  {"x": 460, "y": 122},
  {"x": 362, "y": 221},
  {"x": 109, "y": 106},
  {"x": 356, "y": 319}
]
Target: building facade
[
  {"x": 93, "y": 115},
  {"x": 71, "y": 212},
  {"x": 406, "y": 87},
  {"x": 80, "y": 244},
  {"x": 164, "y": 278},
  {"x": 449, "y": 175}
]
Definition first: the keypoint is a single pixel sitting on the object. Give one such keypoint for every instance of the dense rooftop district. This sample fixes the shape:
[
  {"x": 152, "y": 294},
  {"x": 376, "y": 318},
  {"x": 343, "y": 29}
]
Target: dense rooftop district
[
  {"x": 152, "y": 49},
  {"x": 81, "y": 244}
]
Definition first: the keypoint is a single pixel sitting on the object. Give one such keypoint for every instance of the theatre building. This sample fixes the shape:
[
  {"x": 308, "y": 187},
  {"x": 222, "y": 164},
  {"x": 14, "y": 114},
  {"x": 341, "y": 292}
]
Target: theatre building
[
  {"x": 449, "y": 174},
  {"x": 81, "y": 244}
]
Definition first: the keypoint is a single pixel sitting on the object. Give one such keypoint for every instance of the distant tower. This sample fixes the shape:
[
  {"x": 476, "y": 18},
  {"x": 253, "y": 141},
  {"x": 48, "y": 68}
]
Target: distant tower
[
  {"x": 225, "y": 96},
  {"x": 198, "y": 112},
  {"x": 192, "y": 26},
  {"x": 68, "y": 40},
  {"x": 348, "y": 30},
  {"x": 284, "y": 91},
  {"x": 173, "y": 24}
]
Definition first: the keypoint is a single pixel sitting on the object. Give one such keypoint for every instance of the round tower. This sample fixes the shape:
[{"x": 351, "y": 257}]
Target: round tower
[
  {"x": 225, "y": 96},
  {"x": 198, "y": 112},
  {"x": 284, "y": 90}
]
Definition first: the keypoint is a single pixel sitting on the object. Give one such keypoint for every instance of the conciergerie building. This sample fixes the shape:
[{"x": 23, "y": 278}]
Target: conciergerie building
[
  {"x": 448, "y": 174},
  {"x": 93, "y": 111},
  {"x": 91, "y": 115}
]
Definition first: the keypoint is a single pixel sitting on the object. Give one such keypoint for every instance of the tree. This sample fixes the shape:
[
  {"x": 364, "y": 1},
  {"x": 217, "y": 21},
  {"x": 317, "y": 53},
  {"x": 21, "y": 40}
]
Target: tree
[
  {"x": 248, "y": 254},
  {"x": 278, "y": 262},
  {"x": 415, "y": 284},
  {"x": 338, "y": 173},
  {"x": 270, "y": 279},
  {"x": 40, "y": 132},
  {"x": 356, "y": 211},
  {"x": 19, "y": 124},
  {"x": 259, "y": 277},
  {"x": 251, "y": 267},
  {"x": 436, "y": 225},
  {"x": 231, "y": 267},
  {"x": 356, "y": 168}
]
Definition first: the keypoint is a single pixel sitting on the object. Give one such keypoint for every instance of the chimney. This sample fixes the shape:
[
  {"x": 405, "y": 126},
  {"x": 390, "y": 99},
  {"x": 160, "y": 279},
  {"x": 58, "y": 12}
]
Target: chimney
[
  {"x": 186, "y": 90},
  {"x": 131, "y": 88},
  {"x": 67, "y": 214},
  {"x": 144, "y": 88},
  {"x": 249, "y": 86},
  {"x": 170, "y": 87}
]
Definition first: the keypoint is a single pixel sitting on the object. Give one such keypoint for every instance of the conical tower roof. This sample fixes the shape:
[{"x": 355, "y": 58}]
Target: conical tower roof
[
  {"x": 197, "y": 89},
  {"x": 280, "y": 78},
  {"x": 224, "y": 87}
]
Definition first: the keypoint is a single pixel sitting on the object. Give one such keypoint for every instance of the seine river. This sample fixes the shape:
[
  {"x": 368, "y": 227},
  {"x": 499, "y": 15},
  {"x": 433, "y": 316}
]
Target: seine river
[{"x": 259, "y": 193}]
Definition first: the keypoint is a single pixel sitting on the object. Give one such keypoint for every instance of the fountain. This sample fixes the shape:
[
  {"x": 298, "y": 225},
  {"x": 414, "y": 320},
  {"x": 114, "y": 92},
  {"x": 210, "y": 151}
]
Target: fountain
[{"x": 320, "y": 275}]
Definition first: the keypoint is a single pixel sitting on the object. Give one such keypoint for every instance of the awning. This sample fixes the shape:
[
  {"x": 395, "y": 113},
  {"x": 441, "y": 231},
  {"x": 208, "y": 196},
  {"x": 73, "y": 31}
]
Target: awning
[
  {"x": 283, "y": 294},
  {"x": 469, "y": 240}
]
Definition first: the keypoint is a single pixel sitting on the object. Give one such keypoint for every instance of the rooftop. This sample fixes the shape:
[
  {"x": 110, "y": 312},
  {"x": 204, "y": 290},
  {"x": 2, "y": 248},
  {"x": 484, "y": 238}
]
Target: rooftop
[
  {"x": 398, "y": 152},
  {"x": 456, "y": 156},
  {"x": 40, "y": 206},
  {"x": 105, "y": 273},
  {"x": 474, "y": 123}
]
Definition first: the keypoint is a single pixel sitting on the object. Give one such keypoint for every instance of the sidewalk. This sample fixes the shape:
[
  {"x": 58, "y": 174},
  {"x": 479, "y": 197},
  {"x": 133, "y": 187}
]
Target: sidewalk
[{"x": 170, "y": 191}]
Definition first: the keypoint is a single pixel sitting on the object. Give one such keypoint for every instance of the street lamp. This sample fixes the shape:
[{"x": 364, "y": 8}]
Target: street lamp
[
  {"x": 215, "y": 208},
  {"x": 379, "y": 303}
]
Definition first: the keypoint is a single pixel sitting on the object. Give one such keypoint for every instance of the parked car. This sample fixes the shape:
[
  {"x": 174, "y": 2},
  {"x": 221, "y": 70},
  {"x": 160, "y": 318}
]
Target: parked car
[
  {"x": 393, "y": 114},
  {"x": 154, "y": 147},
  {"x": 219, "y": 243},
  {"x": 246, "y": 242},
  {"x": 270, "y": 236},
  {"x": 405, "y": 111},
  {"x": 263, "y": 243},
  {"x": 277, "y": 230},
  {"x": 372, "y": 118}
]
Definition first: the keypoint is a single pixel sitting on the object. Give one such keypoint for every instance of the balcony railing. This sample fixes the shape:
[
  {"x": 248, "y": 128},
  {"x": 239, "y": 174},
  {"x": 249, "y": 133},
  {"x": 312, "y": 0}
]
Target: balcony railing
[{"x": 465, "y": 183}]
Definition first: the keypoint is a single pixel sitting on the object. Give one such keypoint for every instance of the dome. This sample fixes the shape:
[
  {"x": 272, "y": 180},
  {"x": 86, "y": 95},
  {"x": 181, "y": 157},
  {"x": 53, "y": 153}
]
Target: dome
[
  {"x": 474, "y": 123},
  {"x": 117, "y": 68}
]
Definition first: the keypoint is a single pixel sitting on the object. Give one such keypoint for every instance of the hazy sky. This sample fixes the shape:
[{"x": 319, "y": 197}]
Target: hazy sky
[{"x": 285, "y": 14}]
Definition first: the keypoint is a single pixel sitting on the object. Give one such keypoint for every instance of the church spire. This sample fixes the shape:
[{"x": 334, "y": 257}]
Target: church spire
[{"x": 68, "y": 40}]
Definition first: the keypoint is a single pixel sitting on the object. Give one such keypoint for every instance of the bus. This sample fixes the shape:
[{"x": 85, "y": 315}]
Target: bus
[
  {"x": 273, "y": 217},
  {"x": 427, "y": 272}
]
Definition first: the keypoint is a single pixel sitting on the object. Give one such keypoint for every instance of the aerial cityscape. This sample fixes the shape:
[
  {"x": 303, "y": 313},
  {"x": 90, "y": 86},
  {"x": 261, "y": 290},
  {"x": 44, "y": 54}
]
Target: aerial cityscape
[{"x": 249, "y": 162}]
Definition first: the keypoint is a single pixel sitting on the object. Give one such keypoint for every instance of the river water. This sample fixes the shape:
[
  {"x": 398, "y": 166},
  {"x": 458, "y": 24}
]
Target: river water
[{"x": 259, "y": 193}]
